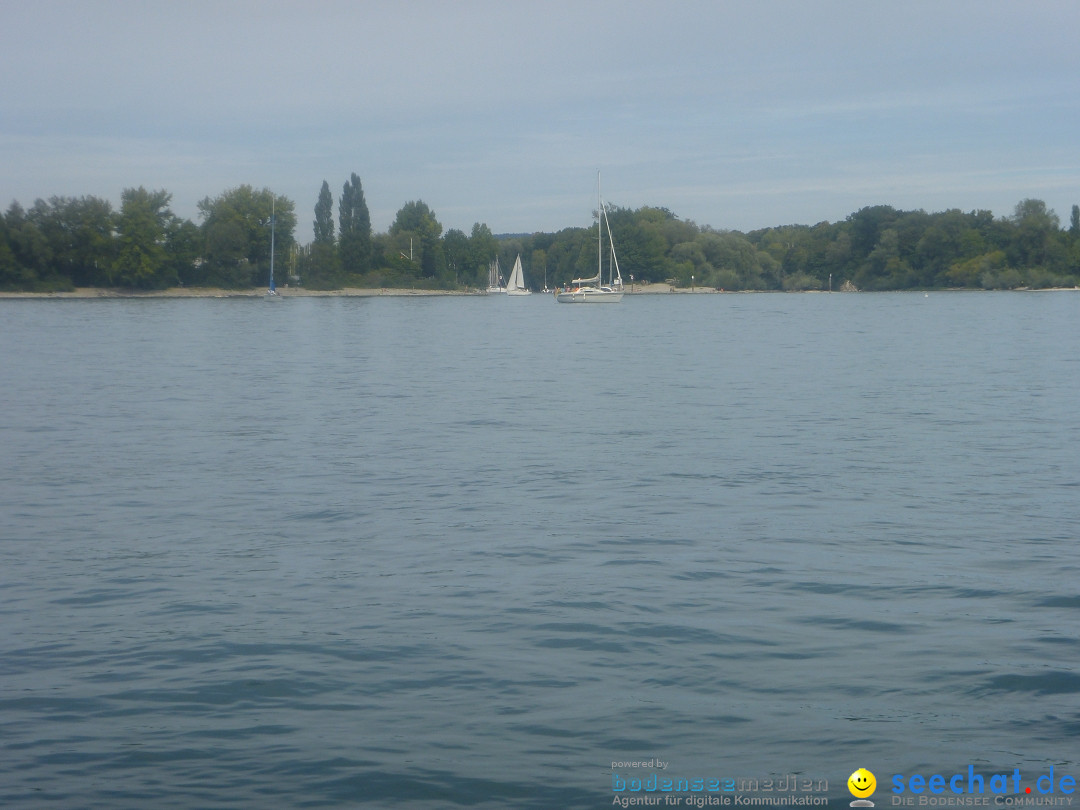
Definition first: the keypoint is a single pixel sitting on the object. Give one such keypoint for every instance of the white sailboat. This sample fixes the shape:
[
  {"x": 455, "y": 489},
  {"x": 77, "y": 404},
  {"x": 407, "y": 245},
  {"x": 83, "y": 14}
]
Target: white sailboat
[
  {"x": 271, "y": 293},
  {"x": 593, "y": 290},
  {"x": 516, "y": 284},
  {"x": 495, "y": 278}
]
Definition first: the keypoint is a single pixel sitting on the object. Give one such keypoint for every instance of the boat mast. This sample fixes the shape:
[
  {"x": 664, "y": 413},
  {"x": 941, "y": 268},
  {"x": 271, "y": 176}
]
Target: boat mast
[
  {"x": 272, "y": 223},
  {"x": 613, "y": 265},
  {"x": 599, "y": 233}
]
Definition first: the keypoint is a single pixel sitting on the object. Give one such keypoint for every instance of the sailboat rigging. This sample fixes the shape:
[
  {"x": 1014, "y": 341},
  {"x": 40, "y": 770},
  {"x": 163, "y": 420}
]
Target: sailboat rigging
[
  {"x": 271, "y": 292},
  {"x": 495, "y": 278},
  {"x": 593, "y": 290}
]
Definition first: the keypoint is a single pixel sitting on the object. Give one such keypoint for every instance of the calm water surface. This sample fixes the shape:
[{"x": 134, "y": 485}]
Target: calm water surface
[{"x": 440, "y": 552}]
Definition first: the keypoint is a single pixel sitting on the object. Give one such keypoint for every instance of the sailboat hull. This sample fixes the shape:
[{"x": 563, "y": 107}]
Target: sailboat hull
[{"x": 589, "y": 295}]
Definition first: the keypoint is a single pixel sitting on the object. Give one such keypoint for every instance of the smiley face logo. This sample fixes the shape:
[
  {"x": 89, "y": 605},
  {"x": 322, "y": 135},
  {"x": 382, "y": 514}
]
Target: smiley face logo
[{"x": 861, "y": 783}]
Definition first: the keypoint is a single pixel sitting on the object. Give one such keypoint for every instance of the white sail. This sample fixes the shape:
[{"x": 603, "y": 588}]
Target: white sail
[{"x": 516, "y": 284}]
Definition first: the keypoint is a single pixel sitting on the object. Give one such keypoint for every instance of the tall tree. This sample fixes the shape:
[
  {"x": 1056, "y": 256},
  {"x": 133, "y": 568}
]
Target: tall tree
[
  {"x": 538, "y": 263},
  {"x": 25, "y": 264},
  {"x": 324, "y": 217},
  {"x": 141, "y": 230},
  {"x": 1074, "y": 221},
  {"x": 80, "y": 235},
  {"x": 237, "y": 230},
  {"x": 321, "y": 263},
  {"x": 456, "y": 249},
  {"x": 354, "y": 221},
  {"x": 417, "y": 220},
  {"x": 482, "y": 250},
  {"x": 184, "y": 245},
  {"x": 1035, "y": 243}
]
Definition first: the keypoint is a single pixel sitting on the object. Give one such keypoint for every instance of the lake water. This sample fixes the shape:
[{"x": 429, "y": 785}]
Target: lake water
[{"x": 435, "y": 552}]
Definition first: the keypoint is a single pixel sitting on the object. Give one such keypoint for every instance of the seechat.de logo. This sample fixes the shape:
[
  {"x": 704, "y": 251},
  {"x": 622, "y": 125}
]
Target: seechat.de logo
[{"x": 1002, "y": 785}]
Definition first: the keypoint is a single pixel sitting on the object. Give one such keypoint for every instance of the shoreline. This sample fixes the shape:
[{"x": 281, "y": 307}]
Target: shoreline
[
  {"x": 365, "y": 292},
  {"x": 293, "y": 292},
  {"x": 216, "y": 292}
]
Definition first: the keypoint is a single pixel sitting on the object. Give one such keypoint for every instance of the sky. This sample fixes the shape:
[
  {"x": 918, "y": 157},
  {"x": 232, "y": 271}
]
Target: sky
[{"x": 736, "y": 114}]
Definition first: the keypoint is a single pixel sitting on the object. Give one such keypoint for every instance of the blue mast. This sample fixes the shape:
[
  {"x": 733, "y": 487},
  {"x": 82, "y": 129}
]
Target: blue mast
[{"x": 273, "y": 218}]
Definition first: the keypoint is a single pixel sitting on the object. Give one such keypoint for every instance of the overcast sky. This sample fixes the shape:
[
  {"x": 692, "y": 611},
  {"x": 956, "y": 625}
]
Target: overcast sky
[{"x": 739, "y": 114}]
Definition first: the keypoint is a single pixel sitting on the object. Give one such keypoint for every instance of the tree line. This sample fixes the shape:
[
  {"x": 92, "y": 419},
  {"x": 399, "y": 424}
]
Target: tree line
[{"x": 83, "y": 242}]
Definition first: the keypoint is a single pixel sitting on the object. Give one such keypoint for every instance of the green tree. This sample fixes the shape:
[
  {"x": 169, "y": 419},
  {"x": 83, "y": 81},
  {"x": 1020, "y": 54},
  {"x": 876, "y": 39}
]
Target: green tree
[
  {"x": 735, "y": 258},
  {"x": 141, "y": 230},
  {"x": 324, "y": 216},
  {"x": 640, "y": 244},
  {"x": 866, "y": 226},
  {"x": 801, "y": 281},
  {"x": 1036, "y": 242},
  {"x": 838, "y": 253},
  {"x": 183, "y": 247},
  {"x": 538, "y": 265},
  {"x": 456, "y": 250},
  {"x": 1074, "y": 241},
  {"x": 354, "y": 220},
  {"x": 80, "y": 236},
  {"x": 31, "y": 268},
  {"x": 9, "y": 268},
  {"x": 677, "y": 231},
  {"x": 482, "y": 249},
  {"x": 226, "y": 247},
  {"x": 236, "y": 226},
  {"x": 417, "y": 221},
  {"x": 23, "y": 251},
  {"x": 971, "y": 272},
  {"x": 884, "y": 269},
  {"x": 689, "y": 257},
  {"x": 321, "y": 268}
]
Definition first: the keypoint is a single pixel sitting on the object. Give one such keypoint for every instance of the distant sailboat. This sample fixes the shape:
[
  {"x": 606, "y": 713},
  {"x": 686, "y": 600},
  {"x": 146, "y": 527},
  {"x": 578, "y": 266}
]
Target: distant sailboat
[
  {"x": 495, "y": 278},
  {"x": 593, "y": 290},
  {"x": 516, "y": 284},
  {"x": 272, "y": 293}
]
